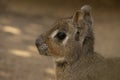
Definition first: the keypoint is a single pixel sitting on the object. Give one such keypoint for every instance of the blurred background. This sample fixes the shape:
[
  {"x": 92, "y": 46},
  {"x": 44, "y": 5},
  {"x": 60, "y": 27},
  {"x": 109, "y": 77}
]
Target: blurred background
[{"x": 22, "y": 21}]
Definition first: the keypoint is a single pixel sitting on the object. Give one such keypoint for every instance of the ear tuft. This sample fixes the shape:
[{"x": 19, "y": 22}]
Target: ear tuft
[{"x": 86, "y": 9}]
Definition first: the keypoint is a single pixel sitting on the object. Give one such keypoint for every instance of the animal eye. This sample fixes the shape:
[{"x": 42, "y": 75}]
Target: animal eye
[{"x": 61, "y": 35}]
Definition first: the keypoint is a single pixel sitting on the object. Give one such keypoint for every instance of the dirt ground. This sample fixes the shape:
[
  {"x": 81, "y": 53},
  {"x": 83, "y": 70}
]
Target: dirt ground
[{"x": 19, "y": 58}]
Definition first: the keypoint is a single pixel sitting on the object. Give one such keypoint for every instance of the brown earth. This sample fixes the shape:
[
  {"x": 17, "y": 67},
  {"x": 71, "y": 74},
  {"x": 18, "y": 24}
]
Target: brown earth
[{"x": 19, "y": 58}]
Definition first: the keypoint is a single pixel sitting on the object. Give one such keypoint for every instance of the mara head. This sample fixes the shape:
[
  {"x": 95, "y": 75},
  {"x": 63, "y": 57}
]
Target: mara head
[{"x": 68, "y": 36}]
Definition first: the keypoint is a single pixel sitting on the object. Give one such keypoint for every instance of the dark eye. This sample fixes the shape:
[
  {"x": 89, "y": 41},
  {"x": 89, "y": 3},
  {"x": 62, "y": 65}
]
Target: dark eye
[{"x": 60, "y": 35}]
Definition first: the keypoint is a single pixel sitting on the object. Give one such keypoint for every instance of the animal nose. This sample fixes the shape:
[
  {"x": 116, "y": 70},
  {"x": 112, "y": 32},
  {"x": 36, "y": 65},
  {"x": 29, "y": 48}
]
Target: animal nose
[
  {"x": 41, "y": 45},
  {"x": 39, "y": 41}
]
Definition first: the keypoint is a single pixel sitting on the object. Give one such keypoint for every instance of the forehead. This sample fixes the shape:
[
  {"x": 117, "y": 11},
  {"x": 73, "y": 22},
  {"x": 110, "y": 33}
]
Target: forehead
[{"x": 64, "y": 24}]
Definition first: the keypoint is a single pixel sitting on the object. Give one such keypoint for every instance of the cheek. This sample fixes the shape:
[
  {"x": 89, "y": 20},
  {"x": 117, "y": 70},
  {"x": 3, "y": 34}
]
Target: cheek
[{"x": 56, "y": 50}]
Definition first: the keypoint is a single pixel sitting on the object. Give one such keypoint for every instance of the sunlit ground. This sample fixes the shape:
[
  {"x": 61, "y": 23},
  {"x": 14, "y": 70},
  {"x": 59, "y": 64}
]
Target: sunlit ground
[{"x": 12, "y": 30}]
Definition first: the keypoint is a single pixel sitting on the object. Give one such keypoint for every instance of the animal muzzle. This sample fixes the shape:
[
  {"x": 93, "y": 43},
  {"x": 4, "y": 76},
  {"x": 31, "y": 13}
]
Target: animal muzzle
[{"x": 41, "y": 46}]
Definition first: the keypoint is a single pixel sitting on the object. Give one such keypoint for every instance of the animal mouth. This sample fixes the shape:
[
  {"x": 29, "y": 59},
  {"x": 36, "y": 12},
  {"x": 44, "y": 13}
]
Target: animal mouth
[{"x": 41, "y": 46}]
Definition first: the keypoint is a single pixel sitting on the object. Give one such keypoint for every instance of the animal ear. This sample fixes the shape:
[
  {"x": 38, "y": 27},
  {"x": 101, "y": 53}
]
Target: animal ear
[
  {"x": 76, "y": 17},
  {"x": 82, "y": 21},
  {"x": 83, "y": 14}
]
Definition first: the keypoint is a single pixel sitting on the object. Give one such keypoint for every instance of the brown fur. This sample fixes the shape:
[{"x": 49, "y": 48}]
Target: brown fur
[{"x": 72, "y": 45}]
